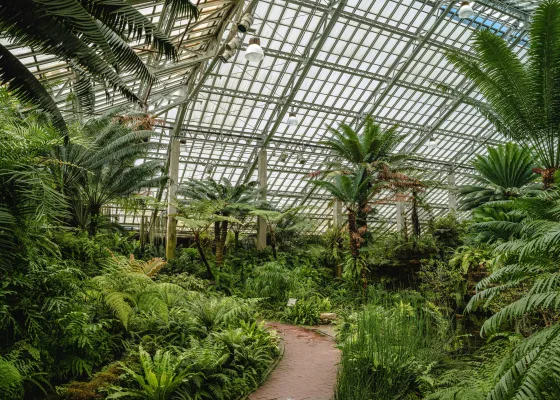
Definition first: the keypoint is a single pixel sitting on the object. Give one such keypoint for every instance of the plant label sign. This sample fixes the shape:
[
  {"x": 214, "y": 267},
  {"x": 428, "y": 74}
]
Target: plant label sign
[{"x": 291, "y": 302}]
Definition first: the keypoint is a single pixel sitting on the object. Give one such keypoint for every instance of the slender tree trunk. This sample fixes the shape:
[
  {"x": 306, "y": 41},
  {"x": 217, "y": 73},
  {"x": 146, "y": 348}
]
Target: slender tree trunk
[
  {"x": 273, "y": 244},
  {"x": 354, "y": 234},
  {"x": 361, "y": 224},
  {"x": 216, "y": 236},
  {"x": 221, "y": 243},
  {"x": 236, "y": 239},
  {"x": 209, "y": 274},
  {"x": 414, "y": 217},
  {"x": 355, "y": 241}
]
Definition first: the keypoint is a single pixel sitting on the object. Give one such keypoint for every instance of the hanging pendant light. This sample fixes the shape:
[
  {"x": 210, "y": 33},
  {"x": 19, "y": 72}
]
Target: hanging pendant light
[
  {"x": 466, "y": 10},
  {"x": 254, "y": 52},
  {"x": 292, "y": 119},
  {"x": 245, "y": 23},
  {"x": 432, "y": 143}
]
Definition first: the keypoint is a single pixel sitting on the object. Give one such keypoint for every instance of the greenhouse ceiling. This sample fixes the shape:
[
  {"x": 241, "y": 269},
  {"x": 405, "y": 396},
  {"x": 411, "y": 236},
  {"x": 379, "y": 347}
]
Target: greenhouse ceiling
[{"x": 328, "y": 62}]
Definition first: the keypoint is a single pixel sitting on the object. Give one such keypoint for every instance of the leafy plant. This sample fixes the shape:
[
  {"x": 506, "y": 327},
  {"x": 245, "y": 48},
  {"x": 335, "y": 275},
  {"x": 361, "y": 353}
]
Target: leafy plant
[
  {"x": 160, "y": 379},
  {"x": 91, "y": 36},
  {"x": 506, "y": 172},
  {"x": 389, "y": 353},
  {"x": 306, "y": 311},
  {"x": 521, "y": 94},
  {"x": 228, "y": 200}
]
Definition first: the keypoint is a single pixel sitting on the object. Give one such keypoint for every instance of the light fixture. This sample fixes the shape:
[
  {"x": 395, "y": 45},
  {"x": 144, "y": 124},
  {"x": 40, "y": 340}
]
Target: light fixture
[
  {"x": 466, "y": 11},
  {"x": 283, "y": 157},
  {"x": 432, "y": 143},
  {"x": 183, "y": 141},
  {"x": 209, "y": 169},
  {"x": 301, "y": 159},
  {"x": 254, "y": 52},
  {"x": 292, "y": 119},
  {"x": 234, "y": 43},
  {"x": 245, "y": 23},
  {"x": 231, "y": 48}
]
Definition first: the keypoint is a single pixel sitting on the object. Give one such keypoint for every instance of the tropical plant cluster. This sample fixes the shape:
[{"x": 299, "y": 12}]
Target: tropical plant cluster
[{"x": 464, "y": 305}]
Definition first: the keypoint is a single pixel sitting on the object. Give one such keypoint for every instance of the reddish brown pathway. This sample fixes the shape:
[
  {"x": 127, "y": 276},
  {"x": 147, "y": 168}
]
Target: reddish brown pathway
[{"x": 306, "y": 372}]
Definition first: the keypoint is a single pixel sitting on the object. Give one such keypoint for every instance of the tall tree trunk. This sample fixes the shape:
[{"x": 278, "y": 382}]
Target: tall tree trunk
[
  {"x": 236, "y": 239},
  {"x": 273, "y": 244},
  {"x": 355, "y": 241},
  {"x": 221, "y": 243},
  {"x": 216, "y": 236},
  {"x": 209, "y": 274},
  {"x": 361, "y": 224},
  {"x": 414, "y": 216},
  {"x": 354, "y": 235}
]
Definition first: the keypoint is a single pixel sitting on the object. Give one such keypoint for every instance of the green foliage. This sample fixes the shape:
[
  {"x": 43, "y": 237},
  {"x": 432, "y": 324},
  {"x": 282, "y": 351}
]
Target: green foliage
[
  {"x": 521, "y": 93},
  {"x": 442, "y": 284},
  {"x": 306, "y": 311},
  {"x": 160, "y": 379},
  {"x": 99, "y": 167},
  {"x": 390, "y": 353},
  {"x": 272, "y": 281},
  {"x": 11, "y": 381},
  {"x": 472, "y": 375},
  {"x": 373, "y": 145},
  {"x": 506, "y": 172},
  {"x": 91, "y": 37}
]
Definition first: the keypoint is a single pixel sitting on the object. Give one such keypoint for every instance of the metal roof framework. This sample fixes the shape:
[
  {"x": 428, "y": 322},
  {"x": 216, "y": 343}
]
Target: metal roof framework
[{"x": 330, "y": 61}]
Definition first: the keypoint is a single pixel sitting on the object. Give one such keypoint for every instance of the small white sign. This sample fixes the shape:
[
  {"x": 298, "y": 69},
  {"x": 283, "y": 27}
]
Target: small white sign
[{"x": 292, "y": 302}]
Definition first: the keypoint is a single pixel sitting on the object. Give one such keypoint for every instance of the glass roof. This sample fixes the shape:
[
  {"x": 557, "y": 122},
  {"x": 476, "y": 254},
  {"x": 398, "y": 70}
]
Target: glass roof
[{"x": 330, "y": 61}]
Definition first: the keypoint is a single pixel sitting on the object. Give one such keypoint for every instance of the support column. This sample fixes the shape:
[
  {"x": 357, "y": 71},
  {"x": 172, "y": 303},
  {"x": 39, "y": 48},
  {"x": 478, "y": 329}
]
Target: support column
[
  {"x": 261, "y": 223},
  {"x": 174, "y": 152},
  {"x": 452, "y": 197},
  {"x": 400, "y": 216},
  {"x": 337, "y": 214}
]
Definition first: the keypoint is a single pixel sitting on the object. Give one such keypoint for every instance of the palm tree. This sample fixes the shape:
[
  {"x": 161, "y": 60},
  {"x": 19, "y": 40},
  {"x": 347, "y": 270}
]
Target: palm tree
[
  {"x": 373, "y": 149},
  {"x": 230, "y": 200},
  {"x": 505, "y": 172},
  {"x": 522, "y": 97},
  {"x": 355, "y": 191},
  {"x": 99, "y": 166},
  {"x": 92, "y": 36},
  {"x": 273, "y": 220}
]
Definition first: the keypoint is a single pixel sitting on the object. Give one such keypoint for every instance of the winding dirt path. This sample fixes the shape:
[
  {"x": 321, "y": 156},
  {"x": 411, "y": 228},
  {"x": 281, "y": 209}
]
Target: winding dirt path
[{"x": 306, "y": 372}]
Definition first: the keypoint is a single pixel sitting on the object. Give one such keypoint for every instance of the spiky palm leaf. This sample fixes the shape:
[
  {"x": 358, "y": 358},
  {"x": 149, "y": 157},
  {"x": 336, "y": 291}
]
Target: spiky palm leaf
[
  {"x": 99, "y": 166},
  {"x": 373, "y": 145},
  {"x": 352, "y": 189},
  {"x": 505, "y": 172},
  {"x": 228, "y": 200},
  {"x": 28, "y": 88},
  {"x": 92, "y": 35},
  {"x": 523, "y": 99}
]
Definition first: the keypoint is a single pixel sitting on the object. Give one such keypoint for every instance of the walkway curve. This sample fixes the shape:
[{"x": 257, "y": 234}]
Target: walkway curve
[{"x": 307, "y": 371}]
